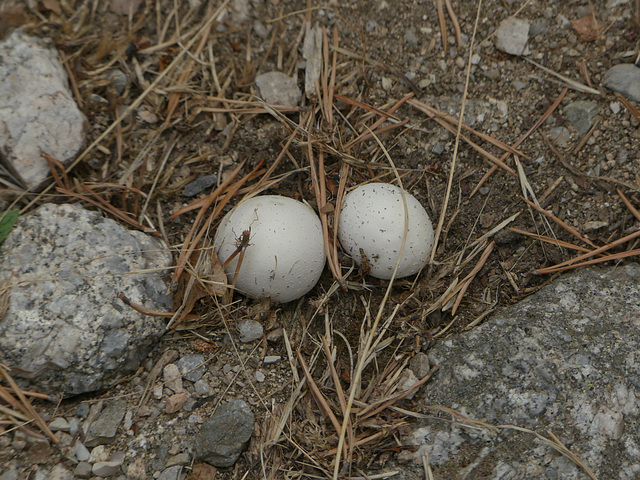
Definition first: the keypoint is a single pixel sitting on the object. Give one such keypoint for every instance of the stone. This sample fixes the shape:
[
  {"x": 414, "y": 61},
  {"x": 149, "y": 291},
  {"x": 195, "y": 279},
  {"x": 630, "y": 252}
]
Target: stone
[
  {"x": 59, "y": 424},
  {"x": 10, "y": 474},
  {"x": 582, "y": 114},
  {"x": 202, "y": 388},
  {"x": 37, "y": 110},
  {"x": 172, "y": 378},
  {"x": 272, "y": 359},
  {"x": 110, "y": 468},
  {"x": 65, "y": 329},
  {"x": 407, "y": 380},
  {"x": 564, "y": 360},
  {"x": 103, "y": 429},
  {"x": 199, "y": 185},
  {"x": 277, "y": 88},
  {"x": 192, "y": 367},
  {"x": 560, "y": 136},
  {"x": 250, "y": 330},
  {"x": 420, "y": 365},
  {"x": 137, "y": 470},
  {"x": 624, "y": 79},
  {"x": 179, "y": 459},
  {"x": 83, "y": 470},
  {"x": 81, "y": 452},
  {"x": 175, "y": 402},
  {"x": 125, "y": 7},
  {"x": 171, "y": 473},
  {"x": 118, "y": 80},
  {"x": 99, "y": 454},
  {"x": 512, "y": 36},
  {"x": 225, "y": 434}
]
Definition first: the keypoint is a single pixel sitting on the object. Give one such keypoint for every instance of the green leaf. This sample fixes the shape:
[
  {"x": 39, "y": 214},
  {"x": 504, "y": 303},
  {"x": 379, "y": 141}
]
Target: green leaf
[{"x": 7, "y": 220}]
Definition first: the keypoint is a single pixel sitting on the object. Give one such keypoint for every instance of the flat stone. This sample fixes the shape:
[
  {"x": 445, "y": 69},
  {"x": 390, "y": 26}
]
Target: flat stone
[
  {"x": 272, "y": 359},
  {"x": 202, "y": 388},
  {"x": 250, "y": 330},
  {"x": 103, "y": 429},
  {"x": 83, "y": 470},
  {"x": 175, "y": 402},
  {"x": 172, "y": 378},
  {"x": 179, "y": 459},
  {"x": 59, "y": 424},
  {"x": 60, "y": 472},
  {"x": 582, "y": 114},
  {"x": 624, "y": 79},
  {"x": 560, "y": 136},
  {"x": 420, "y": 365},
  {"x": 37, "y": 110},
  {"x": 65, "y": 326},
  {"x": 192, "y": 367},
  {"x": 277, "y": 88},
  {"x": 81, "y": 452},
  {"x": 199, "y": 185},
  {"x": 512, "y": 36},
  {"x": 564, "y": 360},
  {"x": 171, "y": 473},
  {"x": 225, "y": 434}
]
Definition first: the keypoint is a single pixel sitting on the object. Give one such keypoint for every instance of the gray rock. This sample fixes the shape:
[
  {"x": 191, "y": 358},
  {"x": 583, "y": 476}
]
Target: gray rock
[
  {"x": 420, "y": 365},
  {"x": 103, "y": 429},
  {"x": 80, "y": 451},
  {"x": 582, "y": 114},
  {"x": 118, "y": 80},
  {"x": 512, "y": 36},
  {"x": 250, "y": 330},
  {"x": 37, "y": 111},
  {"x": 199, "y": 185},
  {"x": 202, "y": 388},
  {"x": 278, "y": 88},
  {"x": 625, "y": 79},
  {"x": 65, "y": 329},
  {"x": 172, "y": 378},
  {"x": 108, "y": 469},
  {"x": 179, "y": 459},
  {"x": 83, "y": 470},
  {"x": 271, "y": 359},
  {"x": 171, "y": 473},
  {"x": 59, "y": 424},
  {"x": 564, "y": 360},
  {"x": 561, "y": 136},
  {"x": 10, "y": 474},
  {"x": 410, "y": 37},
  {"x": 192, "y": 367},
  {"x": 223, "y": 436}
]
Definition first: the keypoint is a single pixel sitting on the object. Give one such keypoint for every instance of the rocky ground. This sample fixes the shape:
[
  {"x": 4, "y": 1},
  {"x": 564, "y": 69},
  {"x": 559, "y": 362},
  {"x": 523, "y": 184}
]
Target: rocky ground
[{"x": 158, "y": 119}]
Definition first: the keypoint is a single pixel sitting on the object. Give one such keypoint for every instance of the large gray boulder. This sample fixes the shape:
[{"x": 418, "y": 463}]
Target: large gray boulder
[
  {"x": 37, "y": 111},
  {"x": 64, "y": 328},
  {"x": 565, "y": 360}
]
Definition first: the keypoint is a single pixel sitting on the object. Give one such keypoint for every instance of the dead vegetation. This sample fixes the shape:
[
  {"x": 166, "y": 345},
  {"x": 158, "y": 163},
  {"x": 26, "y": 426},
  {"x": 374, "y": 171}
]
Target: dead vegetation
[{"x": 186, "y": 110}]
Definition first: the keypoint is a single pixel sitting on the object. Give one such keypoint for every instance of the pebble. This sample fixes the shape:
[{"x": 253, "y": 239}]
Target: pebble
[
  {"x": 420, "y": 365},
  {"x": 199, "y": 185},
  {"x": 202, "y": 388},
  {"x": 615, "y": 107},
  {"x": 250, "y": 330},
  {"x": 410, "y": 37},
  {"x": 104, "y": 429},
  {"x": 10, "y": 474},
  {"x": 512, "y": 36},
  {"x": 192, "y": 367},
  {"x": 179, "y": 459},
  {"x": 624, "y": 79},
  {"x": 475, "y": 59},
  {"x": 225, "y": 434},
  {"x": 157, "y": 391},
  {"x": 261, "y": 30},
  {"x": 137, "y": 470},
  {"x": 81, "y": 452},
  {"x": 560, "y": 136},
  {"x": 172, "y": 378},
  {"x": 438, "y": 148},
  {"x": 260, "y": 377},
  {"x": 371, "y": 25},
  {"x": 175, "y": 402},
  {"x": 272, "y": 359},
  {"x": 83, "y": 470},
  {"x": 171, "y": 473},
  {"x": 110, "y": 468},
  {"x": 407, "y": 380},
  {"x": 582, "y": 114},
  {"x": 99, "y": 454},
  {"x": 59, "y": 424},
  {"x": 277, "y": 88},
  {"x": 118, "y": 80}
]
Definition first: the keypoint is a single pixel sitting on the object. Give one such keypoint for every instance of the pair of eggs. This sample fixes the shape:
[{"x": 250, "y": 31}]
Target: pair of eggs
[{"x": 285, "y": 254}]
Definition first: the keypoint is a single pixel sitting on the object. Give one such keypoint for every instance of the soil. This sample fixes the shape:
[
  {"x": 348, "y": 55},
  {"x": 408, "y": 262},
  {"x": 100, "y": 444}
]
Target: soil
[{"x": 387, "y": 50}]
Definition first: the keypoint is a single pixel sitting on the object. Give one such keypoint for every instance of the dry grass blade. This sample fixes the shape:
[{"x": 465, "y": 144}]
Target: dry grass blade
[
  {"x": 604, "y": 248},
  {"x": 443, "y": 26},
  {"x": 607, "y": 258},
  {"x": 627, "y": 203},
  {"x": 452, "y": 167},
  {"x": 454, "y": 20},
  {"x": 24, "y": 404},
  {"x": 572, "y": 84},
  {"x": 563, "y": 224},
  {"x": 522, "y": 138},
  {"x": 552, "y": 241}
]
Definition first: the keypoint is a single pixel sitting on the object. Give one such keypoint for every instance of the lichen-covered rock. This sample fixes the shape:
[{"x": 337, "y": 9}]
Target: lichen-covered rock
[
  {"x": 565, "y": 360},
  {"x": 65, "y": 329},
  {"x": 37, "y": 111}
]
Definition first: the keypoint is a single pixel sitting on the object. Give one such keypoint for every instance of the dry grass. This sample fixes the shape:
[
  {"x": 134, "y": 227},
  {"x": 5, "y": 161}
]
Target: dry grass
[{"x": 346, "y": 398}]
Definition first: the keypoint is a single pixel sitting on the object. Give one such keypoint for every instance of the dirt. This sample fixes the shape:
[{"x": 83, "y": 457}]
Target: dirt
[{"x": 387, "y": 50}]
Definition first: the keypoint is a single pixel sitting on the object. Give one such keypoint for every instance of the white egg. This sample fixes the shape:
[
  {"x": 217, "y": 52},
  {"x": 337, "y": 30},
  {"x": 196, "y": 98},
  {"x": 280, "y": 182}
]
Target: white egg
[
  {"x": 372, "y": 222},
  {"x": 285, "y": 254}
]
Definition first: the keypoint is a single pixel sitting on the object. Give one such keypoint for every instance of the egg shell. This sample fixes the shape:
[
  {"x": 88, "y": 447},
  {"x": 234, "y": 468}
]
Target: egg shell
[
  {"x": 285, "y": 256},
  {"x": 372, "y": 220}
]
